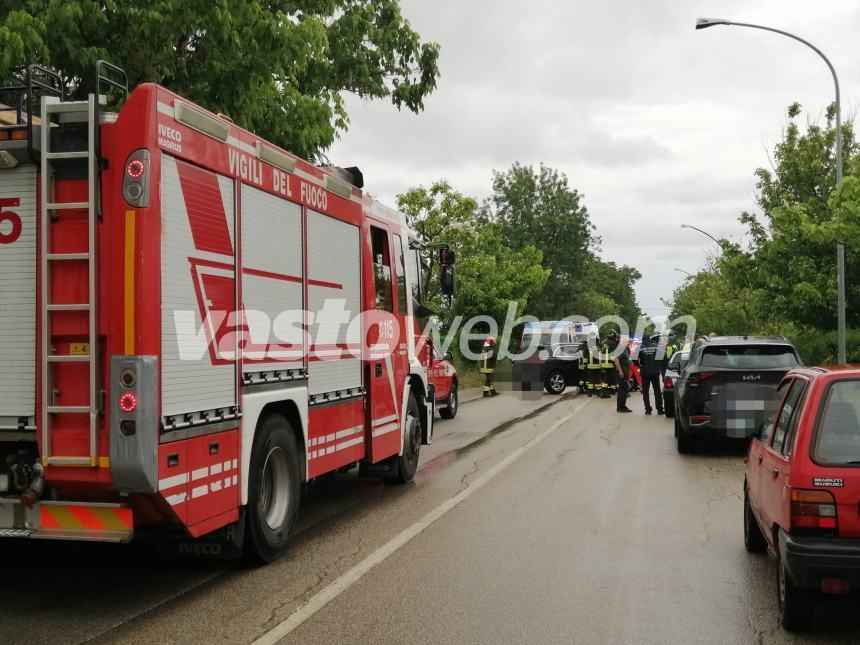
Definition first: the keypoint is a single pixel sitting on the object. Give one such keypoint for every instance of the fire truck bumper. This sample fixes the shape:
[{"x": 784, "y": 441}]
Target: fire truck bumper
[{"x": 66, "y": 521}]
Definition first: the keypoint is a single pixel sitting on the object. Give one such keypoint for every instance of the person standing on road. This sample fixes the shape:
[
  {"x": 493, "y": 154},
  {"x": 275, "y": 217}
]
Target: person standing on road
[
  {"x": 488, "y": 366},
  {"x": 650, "y": 360},
  {"x": 592, "y": 369},
  {"x": 622, "y": 371},
  {"x": 583, "y": 366},
  {"x": 607, "y": 370}
]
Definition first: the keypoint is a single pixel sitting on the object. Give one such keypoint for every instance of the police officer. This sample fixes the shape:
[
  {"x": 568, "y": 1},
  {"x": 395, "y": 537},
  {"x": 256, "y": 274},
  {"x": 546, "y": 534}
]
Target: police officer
[
  {"x": 488, "y": 366},
  {"x": 650, "y": 360}
]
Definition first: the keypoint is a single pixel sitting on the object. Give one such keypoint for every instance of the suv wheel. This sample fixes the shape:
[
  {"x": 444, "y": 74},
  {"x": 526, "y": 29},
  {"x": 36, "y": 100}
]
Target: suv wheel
[
  {"x": 796, "y": 605},
  {"x": 554, "y": 382},
  {"x": 753, "y": 537}
]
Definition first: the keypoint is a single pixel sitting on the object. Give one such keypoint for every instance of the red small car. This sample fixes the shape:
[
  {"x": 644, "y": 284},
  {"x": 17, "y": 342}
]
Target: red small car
[
  {"x": 443, "y": 377},
  {"x": 802, "y": 489}
]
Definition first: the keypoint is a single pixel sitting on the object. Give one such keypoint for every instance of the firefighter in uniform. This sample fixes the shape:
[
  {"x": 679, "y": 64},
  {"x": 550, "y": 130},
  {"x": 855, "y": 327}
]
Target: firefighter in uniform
[
  {"x": 592, "y": 368},
  {"x": 607, "y": 369},
  {"x": 583, "y": 367},
  {"x": 488, "y": 366},
  {"x": 612, "y": 343}
]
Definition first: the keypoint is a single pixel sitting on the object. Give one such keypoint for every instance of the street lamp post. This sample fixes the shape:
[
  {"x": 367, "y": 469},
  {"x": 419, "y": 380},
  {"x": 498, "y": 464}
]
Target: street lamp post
[
  {"x": 716, "y": 241},
  {"x": 687, "y": 273},
  {"x": 703, "y": 23}
]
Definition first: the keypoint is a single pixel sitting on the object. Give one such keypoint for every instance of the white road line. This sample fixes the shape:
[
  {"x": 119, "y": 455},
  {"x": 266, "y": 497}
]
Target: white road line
[{"x": 344, "y": 582}]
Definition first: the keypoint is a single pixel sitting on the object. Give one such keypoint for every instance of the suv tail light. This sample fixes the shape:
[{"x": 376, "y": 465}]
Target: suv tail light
[
  {"x": 813, "y": 509},
  {"x": 698, "y": 377}
]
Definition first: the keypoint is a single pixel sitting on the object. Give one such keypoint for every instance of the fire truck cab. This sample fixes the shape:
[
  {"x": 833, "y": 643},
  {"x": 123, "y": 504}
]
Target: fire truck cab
[{"x": 193, "y": 322}]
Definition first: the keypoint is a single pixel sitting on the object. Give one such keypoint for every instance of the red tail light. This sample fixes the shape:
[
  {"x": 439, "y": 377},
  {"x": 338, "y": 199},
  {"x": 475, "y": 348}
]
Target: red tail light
[
  {"x": 128, "y": 402},
  {"x": 135, "y": 169},
  {"x": 668, "y": 384},
  {"x": 698, "y": 377},
  {"x": 700, "y": 418},
  {"x": 813, "y": 509}
]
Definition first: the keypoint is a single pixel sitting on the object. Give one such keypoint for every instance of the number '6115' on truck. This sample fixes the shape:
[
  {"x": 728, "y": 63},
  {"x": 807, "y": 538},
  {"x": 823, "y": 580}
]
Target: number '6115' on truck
[{"x": 193, "y": 322}]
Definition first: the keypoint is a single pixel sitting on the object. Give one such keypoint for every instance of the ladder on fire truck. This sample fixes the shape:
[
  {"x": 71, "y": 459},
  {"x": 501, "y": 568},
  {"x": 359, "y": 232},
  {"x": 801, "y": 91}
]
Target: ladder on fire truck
[{"x": 51, "y": 263}]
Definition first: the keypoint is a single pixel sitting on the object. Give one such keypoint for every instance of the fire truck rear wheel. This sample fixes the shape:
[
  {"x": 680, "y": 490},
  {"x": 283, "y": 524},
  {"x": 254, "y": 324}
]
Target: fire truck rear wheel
[
  {"x": 273, "y": 489},
  {"x": 407, "y": 464}
]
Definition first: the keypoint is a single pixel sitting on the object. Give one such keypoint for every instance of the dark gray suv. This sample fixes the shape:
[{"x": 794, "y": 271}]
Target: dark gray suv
[{"x": 728, "y": 387}]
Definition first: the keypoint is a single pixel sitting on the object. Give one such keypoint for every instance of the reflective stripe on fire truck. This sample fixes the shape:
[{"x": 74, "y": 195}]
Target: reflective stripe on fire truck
[
  {"x": 175, "y": 481},
  {"x": 342, "y": 445}
]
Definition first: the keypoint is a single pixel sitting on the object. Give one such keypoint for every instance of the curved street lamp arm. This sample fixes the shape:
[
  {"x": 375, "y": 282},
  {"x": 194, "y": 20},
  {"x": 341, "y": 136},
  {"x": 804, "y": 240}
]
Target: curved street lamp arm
[
  {"x": 835, "y": 83},
  {"x": 716, "y": 241}
]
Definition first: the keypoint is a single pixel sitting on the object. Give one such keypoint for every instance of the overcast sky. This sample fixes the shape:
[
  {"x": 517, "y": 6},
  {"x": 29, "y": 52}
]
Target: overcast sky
[{"x": 655, "y": 123}]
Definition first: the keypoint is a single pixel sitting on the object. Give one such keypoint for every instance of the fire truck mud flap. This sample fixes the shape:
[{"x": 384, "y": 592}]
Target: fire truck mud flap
[{"x": 66, "y": 521}]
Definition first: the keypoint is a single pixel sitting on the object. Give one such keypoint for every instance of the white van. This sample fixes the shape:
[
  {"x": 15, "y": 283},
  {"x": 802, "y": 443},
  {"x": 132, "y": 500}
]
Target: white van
[{"x": 553, "y": 332}]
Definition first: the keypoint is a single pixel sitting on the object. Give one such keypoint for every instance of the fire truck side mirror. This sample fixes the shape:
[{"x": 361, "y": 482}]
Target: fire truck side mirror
[
  {"x": 447, "y": 281},
  {"x": 446, "y": 257}
]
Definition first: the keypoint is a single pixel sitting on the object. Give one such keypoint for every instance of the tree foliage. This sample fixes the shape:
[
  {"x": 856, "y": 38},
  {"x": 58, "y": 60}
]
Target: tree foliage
[
  {"x": 489, "y": 273},
  {"x": 538, "y": 207},
  {"x": 281, "y": 69},
  {"x": 530, "y": 243},
  {"x": 783, "y": 280}
]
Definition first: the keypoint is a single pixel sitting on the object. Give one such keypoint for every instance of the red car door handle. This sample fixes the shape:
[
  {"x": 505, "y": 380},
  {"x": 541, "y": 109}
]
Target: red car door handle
[{"x": 775, "y": 473}]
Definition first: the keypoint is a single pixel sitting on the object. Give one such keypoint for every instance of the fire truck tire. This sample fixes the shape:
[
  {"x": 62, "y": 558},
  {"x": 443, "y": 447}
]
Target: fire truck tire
[
  {"x": 274, "y": 489},
  {"x": 452, "y": 403},
  {"x": 407, "y": 463}
]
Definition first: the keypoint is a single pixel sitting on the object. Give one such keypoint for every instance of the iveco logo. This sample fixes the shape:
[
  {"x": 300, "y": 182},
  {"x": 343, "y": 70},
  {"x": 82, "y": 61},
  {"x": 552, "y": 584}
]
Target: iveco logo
[{"x": 752, "y": 377}]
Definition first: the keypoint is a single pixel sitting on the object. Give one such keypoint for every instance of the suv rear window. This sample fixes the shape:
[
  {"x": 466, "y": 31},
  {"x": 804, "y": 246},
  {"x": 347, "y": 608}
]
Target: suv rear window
[
  {"x": 838, "y": 437},
  {"x": 746, "y": 357}
]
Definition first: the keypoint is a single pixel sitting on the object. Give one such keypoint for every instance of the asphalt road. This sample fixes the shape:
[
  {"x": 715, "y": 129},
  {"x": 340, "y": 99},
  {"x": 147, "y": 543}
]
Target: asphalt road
[{"x": 574, "y": 524}]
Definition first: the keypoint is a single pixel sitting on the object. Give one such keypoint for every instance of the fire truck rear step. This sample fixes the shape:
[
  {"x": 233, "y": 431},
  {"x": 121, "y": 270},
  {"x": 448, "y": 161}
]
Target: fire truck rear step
[
  {"x": 93, "y": 522},
  {"x": 71, "y": 112}
]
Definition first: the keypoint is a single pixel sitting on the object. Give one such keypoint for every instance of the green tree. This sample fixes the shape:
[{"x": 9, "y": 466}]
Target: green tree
[
  {"x": 793, "y": 241},
  {"x": 281, "y": 69},
  {"x": 538, "y": 207},
  {"x": 608, "y": 290},
  {"x": 489, "y": 273},
  {"x": 784, "y": 280},
  {"x": 438, "y": 215}
]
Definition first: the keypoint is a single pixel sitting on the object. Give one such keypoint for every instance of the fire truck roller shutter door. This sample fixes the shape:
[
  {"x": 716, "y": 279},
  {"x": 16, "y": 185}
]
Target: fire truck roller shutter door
[
  {"x": 197, "y": 285},
  {"x": 17, "y": 294},
  {"x": 334, "y": 298},
  {"x": 272, "y": 290}
]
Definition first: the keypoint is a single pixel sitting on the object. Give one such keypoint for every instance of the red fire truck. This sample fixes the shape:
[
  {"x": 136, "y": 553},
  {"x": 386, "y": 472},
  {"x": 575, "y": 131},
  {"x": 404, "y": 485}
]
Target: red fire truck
[{"x": 193, "y": 322}]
